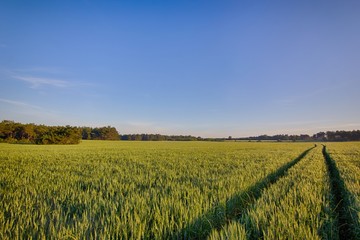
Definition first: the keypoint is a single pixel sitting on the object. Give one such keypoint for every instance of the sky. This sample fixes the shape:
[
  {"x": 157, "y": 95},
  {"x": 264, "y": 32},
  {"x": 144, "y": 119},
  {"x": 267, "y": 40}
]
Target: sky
[{"x": 202, "y": 68}]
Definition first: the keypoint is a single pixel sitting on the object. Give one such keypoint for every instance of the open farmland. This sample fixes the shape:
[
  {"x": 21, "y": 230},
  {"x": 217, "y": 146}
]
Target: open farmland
[
  {"x": 174, "y": 190},
  {"x": 347, "y": 159}
]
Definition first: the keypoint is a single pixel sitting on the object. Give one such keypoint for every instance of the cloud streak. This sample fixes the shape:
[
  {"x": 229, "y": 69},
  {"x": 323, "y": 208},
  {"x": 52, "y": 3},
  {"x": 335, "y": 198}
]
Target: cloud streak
[
  {"x": 20, "y": 104},
  {"x": 25, "y": 112},
  {"x": 37, "y": 82}
]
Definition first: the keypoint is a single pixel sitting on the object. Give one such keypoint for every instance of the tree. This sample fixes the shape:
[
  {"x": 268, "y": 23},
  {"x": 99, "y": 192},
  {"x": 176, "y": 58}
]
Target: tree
[
  {"x": 39, "y": 134},
  {"x": 86, "y": 133}
]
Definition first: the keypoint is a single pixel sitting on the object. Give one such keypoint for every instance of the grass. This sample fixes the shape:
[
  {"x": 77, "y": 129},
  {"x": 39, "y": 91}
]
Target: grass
[
  {"x": 235, "y": 207},
  {"x": 297, "y": 206},
  {"x": 344, "y": 164},
  {"x": 149, "y": 190}
]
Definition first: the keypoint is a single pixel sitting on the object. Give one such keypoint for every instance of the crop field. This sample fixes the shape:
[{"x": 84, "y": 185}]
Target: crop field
[
  {"x": 347, "y": 157},
  {"x": 180, "y": 190}
]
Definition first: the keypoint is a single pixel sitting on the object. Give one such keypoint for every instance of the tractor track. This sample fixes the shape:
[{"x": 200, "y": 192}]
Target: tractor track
[
  {"x": 341, "y": 200},
  {"x": 237, "y": 205}
]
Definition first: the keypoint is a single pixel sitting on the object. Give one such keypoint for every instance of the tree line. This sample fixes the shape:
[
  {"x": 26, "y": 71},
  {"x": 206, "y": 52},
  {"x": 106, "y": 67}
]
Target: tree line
[
  {"x": 158, "y": 137},
  {"x": 99, "y": 133},
  {"x": 329, "y": 136},
  {"x": 13, "y": 132}
]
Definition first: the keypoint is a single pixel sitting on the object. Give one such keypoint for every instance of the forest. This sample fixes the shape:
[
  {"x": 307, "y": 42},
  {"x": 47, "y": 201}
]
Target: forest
[
  {"x": 329, "y": 136},
  {"x": 13, "y": 132}
]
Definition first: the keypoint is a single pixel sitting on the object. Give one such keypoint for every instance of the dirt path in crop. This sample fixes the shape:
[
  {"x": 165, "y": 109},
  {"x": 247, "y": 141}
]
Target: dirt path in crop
[
  {"x": 234, "y": 207},
  {"x": 346, "y": 217}
]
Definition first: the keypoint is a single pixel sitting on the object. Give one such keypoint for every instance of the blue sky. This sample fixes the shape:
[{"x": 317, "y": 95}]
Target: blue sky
[{"x": 205, "y": 68}]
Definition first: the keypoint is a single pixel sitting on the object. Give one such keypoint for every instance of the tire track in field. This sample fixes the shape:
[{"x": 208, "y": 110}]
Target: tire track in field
[
  {"x": 346, "y": 216},
  {"x": 221, "y": 215}
]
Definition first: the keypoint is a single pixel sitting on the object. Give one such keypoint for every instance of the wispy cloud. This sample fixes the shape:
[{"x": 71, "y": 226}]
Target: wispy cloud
[
  {"x": 41, "y": 77},
  {"x": 39, "y": 81},
  {"x": 20, "y": 104},
  {"x": 25, "y": 112},
  {"x": 36, "y": 70}
]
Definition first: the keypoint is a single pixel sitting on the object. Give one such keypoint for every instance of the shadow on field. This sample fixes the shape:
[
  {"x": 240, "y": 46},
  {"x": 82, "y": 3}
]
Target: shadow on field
[
  {"x": 348, "y": 221},
  {"x": 221, "y": 214}
]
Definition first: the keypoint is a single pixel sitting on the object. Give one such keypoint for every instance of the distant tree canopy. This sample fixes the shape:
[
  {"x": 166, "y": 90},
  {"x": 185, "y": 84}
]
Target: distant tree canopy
[
  {"x": 158, "y": 137},
  {"x": 102, "y": 133},
  {"x": 343, "y": 136},
  {"x": 13, "y": 132},
  {"x": 320, "y": 136}
]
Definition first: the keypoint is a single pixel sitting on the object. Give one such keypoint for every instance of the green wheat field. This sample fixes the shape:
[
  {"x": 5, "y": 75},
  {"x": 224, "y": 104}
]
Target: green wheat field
[{"x": 180, "y": 190}]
